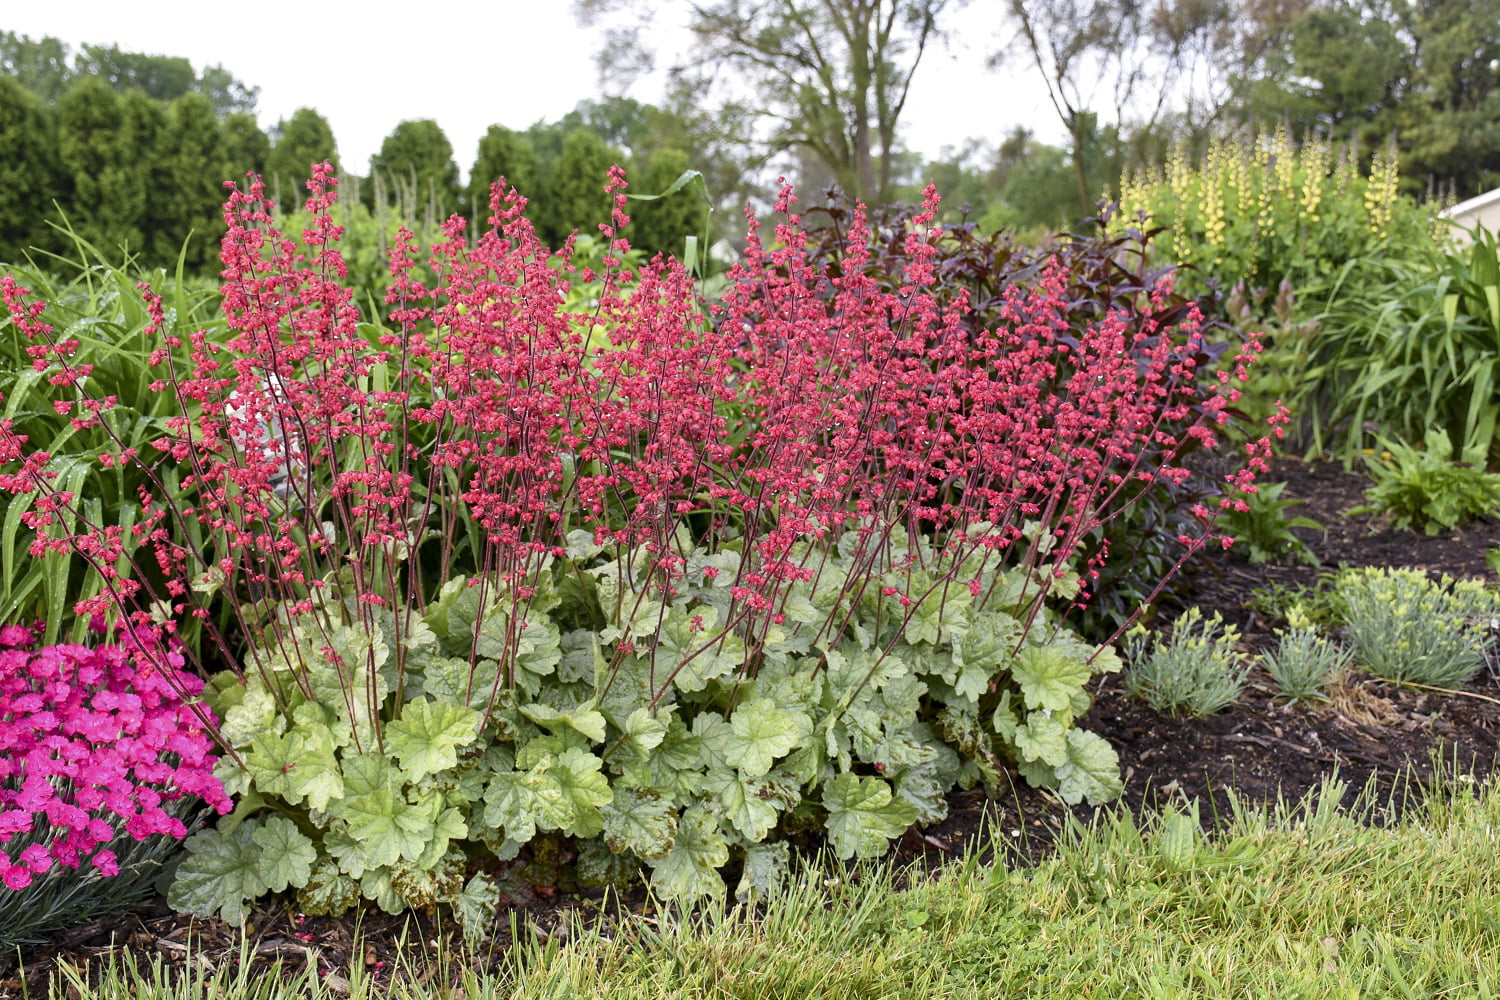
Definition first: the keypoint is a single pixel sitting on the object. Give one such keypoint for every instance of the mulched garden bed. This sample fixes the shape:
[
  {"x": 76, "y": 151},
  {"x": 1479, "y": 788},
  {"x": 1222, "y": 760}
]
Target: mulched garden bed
[{"x": 1260, "y": 748}]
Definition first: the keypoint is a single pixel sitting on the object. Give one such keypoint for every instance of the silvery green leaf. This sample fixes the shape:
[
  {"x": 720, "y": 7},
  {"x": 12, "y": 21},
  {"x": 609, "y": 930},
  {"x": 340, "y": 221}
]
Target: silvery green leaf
[
  {"x": 598, "y": 866},
  {"x": 421, "y": 886},
  {"x": 378, "y": 815},
  {"x": 989, "y": 642},
  {"x": 1050, "y": 675},
  {"x": 863, "y": 815},
  {"x": 760, "y": 732},
  {"x": 255, "y": 714},
  {"x": 690, "y": 870},
  {"x": 507, "y": 808},
  {"x": 752, "y": 806},
  {"x": 217, "y": 875},
  {"x": 286, "y": 856},
  {"x": 676, "y": 766},
  {"x": 1043, "y": 738},
  {"x": 640, "y": 822},
  {"x": 765, "y": 872},
  {"x": 475, "y": 909},
  {"x": 584, "y": 719},
  {"x": 328, "y": 892},
  {"x": 1092, "y": 770},
  {"x": 581, "y": 658},
  {"x": 624, "y": 688},
  {"x": 376, "y": 885},
  {"x": 428, "y": 735},
  {"x": 569, "y": 792},
  {"x": 713, "y": 739}
]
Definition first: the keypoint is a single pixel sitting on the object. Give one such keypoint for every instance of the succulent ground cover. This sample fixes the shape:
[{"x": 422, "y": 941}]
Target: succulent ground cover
[{"x": 1261, "y": 748}]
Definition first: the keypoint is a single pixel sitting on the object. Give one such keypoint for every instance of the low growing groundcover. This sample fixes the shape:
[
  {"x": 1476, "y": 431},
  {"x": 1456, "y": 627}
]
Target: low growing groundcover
[{"x": 1389, "y": 741}]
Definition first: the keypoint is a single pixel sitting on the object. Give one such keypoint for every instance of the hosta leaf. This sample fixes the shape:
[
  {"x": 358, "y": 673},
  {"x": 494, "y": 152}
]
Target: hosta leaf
[
  {"x": 584, "y": 719},
  {"x": 475, "y": 909},
  {"x": 218, "y": 875},
  {"x": 1092, "y": 770},
  {"x": 641, "y": 822},
  {"x": 1050, "y": 674},
  {"x": 863, "y": 815},
  {"x": 286, "y": 856},
  {"x": 328, "y": 892},
  {"x": 690, "y": 869},
  {"x": 426, "y": 738},
  {"x": 1043, "y": 738},
  {"x": 764, "y": 873},
  {"x": 762, "y": 732}
]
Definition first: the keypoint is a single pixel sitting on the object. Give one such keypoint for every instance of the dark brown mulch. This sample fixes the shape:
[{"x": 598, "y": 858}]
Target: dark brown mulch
[{"x": 1260, "y": 748}]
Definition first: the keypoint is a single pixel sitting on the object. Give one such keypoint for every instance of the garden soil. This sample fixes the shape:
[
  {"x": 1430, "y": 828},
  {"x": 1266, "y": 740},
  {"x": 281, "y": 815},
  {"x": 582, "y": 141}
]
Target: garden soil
[{"x": 1260, "y": 749}]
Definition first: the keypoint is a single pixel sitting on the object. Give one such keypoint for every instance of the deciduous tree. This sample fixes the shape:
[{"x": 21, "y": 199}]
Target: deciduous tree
[{"x": 830, "y": 77}]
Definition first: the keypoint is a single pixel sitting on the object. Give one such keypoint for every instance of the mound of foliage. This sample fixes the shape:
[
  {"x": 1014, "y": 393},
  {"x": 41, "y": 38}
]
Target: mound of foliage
[{"x": 650, "y": 583}]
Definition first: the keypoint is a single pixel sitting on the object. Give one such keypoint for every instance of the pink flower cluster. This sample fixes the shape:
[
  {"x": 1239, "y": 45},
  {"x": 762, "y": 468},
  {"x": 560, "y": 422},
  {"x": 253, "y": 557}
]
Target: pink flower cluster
[{"x": 90, "y": 738}]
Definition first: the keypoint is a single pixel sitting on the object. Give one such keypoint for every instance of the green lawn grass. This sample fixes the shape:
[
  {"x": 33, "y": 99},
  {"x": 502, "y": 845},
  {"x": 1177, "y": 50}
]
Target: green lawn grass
[{"x": 1306, "y": 900}]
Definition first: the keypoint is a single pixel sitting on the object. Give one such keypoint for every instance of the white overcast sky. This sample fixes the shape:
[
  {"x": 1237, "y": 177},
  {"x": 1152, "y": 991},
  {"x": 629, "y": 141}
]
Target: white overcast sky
[{"x": 470, "y": 65}]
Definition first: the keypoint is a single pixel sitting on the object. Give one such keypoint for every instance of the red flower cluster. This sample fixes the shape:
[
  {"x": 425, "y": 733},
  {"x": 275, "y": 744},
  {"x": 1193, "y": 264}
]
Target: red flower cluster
[
  {"x": 319, "y": 449},
  {"x": 90, "y": 738}
]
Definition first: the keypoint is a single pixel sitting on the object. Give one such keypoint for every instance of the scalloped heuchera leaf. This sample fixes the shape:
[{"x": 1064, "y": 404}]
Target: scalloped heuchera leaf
[
  {"x": 475, "y": 908},
  {"x": 760, "y": 732},
  {"x": 384, "y": 825},
  {"x": 640, "y": 821},
  {"x": 1050, "y": 675},
  {"x": 1043, "y": 738},
  {"x": 765, "y": 871},
  {"x": 1091, "y": 772},
  {"x": 690, "y": 870},
  {"x": 286, "y": 856},
  {"x": 426, "y": 738},
  {"x": 863, "y": 815},
  {"x": 221, "y": 873},
  {"x": 752, "y": 805},
  {"x": 585, "y": 719},
  {"x": 328, "y": 892},
  {"x": 218, "y": 875}
]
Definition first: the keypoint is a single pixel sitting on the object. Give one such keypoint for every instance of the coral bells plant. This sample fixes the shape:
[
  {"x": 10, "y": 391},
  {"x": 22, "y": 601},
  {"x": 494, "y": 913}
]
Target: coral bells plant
[
  {"x": 649, "y": 584},
  {"x": 101, "y": 761}
]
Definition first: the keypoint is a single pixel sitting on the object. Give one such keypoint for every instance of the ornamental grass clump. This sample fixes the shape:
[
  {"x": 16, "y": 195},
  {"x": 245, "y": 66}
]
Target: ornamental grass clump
[
  {"x": 102, "y": 765},
  {"x": 1410, "y": 629},
  {"x": 491, "y": 593},
  {"x": 1197, "y": 669}
]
